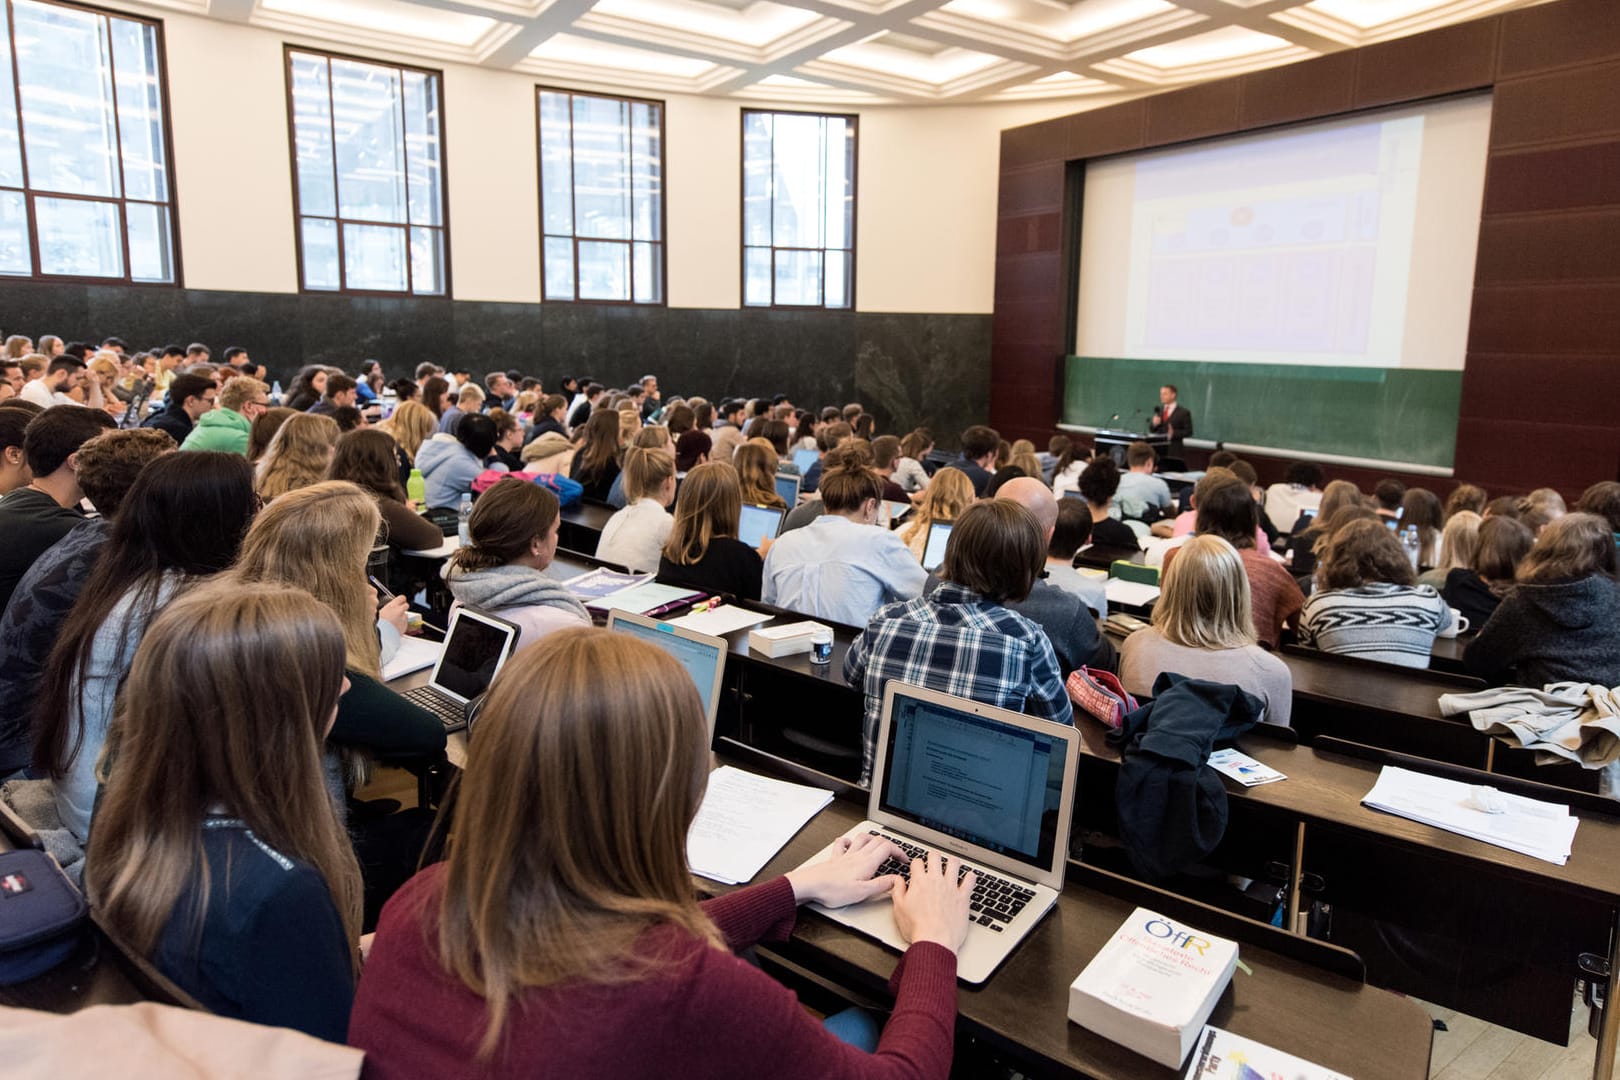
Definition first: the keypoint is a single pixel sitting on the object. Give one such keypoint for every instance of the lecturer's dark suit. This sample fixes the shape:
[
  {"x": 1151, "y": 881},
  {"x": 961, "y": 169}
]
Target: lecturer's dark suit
[{"x": 1181, "y": 426}]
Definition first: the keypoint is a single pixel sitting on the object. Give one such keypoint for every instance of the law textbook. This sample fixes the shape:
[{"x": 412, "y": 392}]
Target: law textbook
[
  {"x": 1153, "y": 985},
  {"x": 1225, "y": 1056}
]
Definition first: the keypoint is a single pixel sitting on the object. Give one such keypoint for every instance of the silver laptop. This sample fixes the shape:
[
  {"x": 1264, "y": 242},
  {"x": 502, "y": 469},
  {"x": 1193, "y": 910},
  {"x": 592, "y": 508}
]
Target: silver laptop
[
  {"x": 475, "y": 647},
  {"x": 989, "y": 786},
  {"x": 702, "y": 655},
  {"x": 939, "y": 535}
]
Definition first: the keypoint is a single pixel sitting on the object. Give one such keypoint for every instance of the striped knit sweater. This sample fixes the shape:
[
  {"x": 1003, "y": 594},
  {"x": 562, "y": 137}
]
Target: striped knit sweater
[{"x": 1395, "y": 624}]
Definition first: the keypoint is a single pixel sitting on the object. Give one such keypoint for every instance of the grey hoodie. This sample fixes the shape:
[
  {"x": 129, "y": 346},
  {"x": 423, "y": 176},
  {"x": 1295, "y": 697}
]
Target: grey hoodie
[
  {"x": 1543, "y": 634},
  {"x": 511, "y": 586}
]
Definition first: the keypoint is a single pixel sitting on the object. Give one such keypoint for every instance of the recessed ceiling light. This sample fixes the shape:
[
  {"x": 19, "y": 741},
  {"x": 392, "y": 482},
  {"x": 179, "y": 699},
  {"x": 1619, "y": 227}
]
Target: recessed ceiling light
[
  {"x": 1060, "y": 21},
  {"x": 882, "y": 55},
  {"x": 754, "y": 24},
  {"x": 390, "y": 17},
  {"x": 569, "y": 49},
  {"x": 1227, "y": 43},
  {"x": 1367, "y": 14}
]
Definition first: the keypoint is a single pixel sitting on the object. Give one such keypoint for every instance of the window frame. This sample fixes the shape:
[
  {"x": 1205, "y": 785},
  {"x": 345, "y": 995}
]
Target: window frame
[
  {"x": 30, "y": 194},
  {"x": 343, "y": 289},
  {"x": 574, "y": 237},
  {"x": 854, "y": 120}
]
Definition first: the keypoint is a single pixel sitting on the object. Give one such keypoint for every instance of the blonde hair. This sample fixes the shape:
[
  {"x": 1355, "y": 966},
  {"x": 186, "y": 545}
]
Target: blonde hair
[
  {"x": 629, "y": 425},
  {"x": 653, "y": 437},
  {"x": 645, "y": 472},
  {"x": 318, "y": 538},
  {"x": 239, "y": 391},
  {"x": 569, "y": 839},
  {"x": 226, "y": 706},
  {"x": 755, "y": 462},
  {"x": 470, "y": 394},
  {"x": 709, "y": 506},
  {"x": 1204, "y": 602},
  {"x": 411, "y": 424},
  {"x": 949, "y": 493},
  {"x": 1459, "y": 542},
  {"x": 297, "y": 456}
]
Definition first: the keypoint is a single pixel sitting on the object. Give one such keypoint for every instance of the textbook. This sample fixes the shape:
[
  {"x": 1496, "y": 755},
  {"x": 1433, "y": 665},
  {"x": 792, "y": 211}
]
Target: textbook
[
  {"x": 785, "y": 640},
  {"x": 1224, "y": 1056},
  {"x": 1152, "y": 986}
]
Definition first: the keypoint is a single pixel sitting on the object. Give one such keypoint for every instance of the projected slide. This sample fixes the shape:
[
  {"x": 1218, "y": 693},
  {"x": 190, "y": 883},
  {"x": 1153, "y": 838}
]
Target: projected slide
[{"x": 1348, "y": 242}]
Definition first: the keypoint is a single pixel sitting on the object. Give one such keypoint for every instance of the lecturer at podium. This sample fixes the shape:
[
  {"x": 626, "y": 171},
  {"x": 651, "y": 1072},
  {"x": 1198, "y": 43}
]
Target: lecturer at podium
[{"x": 1169, "y": 418}]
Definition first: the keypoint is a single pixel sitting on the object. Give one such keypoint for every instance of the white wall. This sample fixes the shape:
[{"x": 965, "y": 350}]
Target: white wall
[{"x": 925, "y": 209}]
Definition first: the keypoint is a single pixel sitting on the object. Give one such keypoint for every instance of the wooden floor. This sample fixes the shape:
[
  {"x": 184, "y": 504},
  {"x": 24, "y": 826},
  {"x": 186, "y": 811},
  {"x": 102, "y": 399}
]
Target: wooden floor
[{"x": 1471, "y": 1049}]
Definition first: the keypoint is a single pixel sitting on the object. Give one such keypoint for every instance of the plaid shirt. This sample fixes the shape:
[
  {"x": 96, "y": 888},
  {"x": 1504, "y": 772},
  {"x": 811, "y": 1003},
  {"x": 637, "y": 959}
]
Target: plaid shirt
[{"x": 956, "y": 642}]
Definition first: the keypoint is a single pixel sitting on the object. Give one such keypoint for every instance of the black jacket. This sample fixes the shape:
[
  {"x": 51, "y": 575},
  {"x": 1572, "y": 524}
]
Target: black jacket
[
  {"x": 172, "y": 420},
  {"x": 1171, "y": 804},
  {"x": 1180, "y": 422},
  {"x": 1467, "y": 592},
  {"x": 1542, "y": 634}
]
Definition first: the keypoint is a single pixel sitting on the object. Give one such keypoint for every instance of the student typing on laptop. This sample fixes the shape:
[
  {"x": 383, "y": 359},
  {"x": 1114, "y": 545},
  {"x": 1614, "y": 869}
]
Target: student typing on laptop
[{"x": 562, "y": 926}]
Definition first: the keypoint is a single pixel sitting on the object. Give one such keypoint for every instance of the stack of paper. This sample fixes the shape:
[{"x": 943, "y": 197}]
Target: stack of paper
[
  {"x": 1225, "y": 1056},
  {"x": 744, "y": 821},
  {"x": 1541, "y": 830},
  {"x": 1130, "y": 593},
  {"x": 720, "y": 620}
]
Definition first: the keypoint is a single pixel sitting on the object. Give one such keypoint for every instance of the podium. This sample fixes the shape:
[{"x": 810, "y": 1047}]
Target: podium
[{"x": 1115, "y": 441}]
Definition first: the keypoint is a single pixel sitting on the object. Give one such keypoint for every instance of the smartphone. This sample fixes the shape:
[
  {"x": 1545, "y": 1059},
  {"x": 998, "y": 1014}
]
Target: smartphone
[{"x": 382, "y": 590}]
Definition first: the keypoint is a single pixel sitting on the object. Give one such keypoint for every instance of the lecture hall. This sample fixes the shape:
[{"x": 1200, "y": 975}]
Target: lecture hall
[{"x": 810, "y": 538}]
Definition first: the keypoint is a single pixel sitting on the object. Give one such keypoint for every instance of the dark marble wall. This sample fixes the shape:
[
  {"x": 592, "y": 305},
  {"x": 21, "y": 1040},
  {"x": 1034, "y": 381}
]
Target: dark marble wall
[{"x": 908, "y": 370}]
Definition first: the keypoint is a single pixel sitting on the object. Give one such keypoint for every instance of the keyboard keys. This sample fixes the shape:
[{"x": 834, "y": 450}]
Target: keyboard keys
[{"x": 994, "y": 901}]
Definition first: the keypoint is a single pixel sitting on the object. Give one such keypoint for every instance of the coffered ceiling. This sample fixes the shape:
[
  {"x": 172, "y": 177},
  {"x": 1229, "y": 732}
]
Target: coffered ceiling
[{"x": 857, "y": 52}]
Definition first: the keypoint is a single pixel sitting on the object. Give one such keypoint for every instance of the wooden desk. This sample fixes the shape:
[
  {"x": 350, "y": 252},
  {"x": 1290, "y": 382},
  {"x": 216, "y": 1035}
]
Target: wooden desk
[{"x": 581, "y": 525}]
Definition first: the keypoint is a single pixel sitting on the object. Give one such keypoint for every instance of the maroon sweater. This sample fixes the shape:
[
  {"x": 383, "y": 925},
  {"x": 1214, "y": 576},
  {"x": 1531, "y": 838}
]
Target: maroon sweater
[{"x": 711, "y": 1015}]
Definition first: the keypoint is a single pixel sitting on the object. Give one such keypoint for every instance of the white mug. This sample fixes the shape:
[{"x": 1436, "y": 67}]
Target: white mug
[{"x": 1459, "y": 625}]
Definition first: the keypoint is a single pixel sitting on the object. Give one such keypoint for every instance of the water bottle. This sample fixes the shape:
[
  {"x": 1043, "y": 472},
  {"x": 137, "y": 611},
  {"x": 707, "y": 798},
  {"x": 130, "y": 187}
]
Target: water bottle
[
  {"x": 275, "y": 392},
  {"x": 416, "y": 487},
  {"x": 1409, "y": 541},
  {"x": 464, "y": 515}
]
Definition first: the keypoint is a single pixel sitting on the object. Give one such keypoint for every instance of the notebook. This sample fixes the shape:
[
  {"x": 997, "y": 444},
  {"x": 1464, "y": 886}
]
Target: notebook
[
  {"x": 939, "y": 534},
  {"x": 759, "y": 524},
  {"x": 703, "y": 656},
  {"x": 987, "y": 785},
  {"x": 475, "y": 647}
]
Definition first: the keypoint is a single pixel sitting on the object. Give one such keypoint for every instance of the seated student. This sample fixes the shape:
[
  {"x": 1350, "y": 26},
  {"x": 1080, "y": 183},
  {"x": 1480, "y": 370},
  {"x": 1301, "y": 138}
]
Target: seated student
[
  {"x": 949, "y": 493},
  {"x": 341, "y": 392},
  {"x": 1308, "y": 531},
  {"x": 1465, "y": 497},
  {"x": 108, "y": 466},
  {"x": 508, "y": 449},
  {"x": 652, "y": 437},
  {"x": 1561, "y": 620},
  {"x": 703, "y": 551},
  {"x": 1071, "y": 462},
  {"x": 573, "y": 814},
  {"x": 1097, "y": 486},
  {"x": 885, "y": 453},
  {"x": 1066, "y": 617},
  {"x": 840, "y": 567},
  {"x": 755, "y": 462},
  {"x": 34, "y": 517},
  {"x": 909, "y": 473},
  {"x": 15, "y": 415},
  {"x": 512, "y": 539},
  {"x": 1603, "y": 499},
  {"x": 264, "y": 430},
  {"x": 241, "y": 401},
  {"x": 450, "y": 465},
  {"x": 1141, "y": 495},
  {"x": 1540, "y": 508},
  {"x": 1025, "y": 458},
  {"x": 551, "y": 414},
  {"x": 298, "y": 455},
  {"x": 366, "y": 458},
  {"x": 1459, "y": 543},
  {"x": 307, "y": 386},
  {"x": 1203, "y": 628},
  {"x": 469, "y": 401},
  {"x": 1477, "y": 589},
  {"x": 190, "y": 398},
  {"x": 635, "y": 536},
  {"x": 183, "y": 520},
  {"x": 1226, "y": 509},
  {"x": 1071, "y": 532},
  {"x": 1267, "y": 531},
  {"x": 1420, "y": 509},
  {"x": 217, "y": 855},
  {"x": 1300, "y": 490},
  {"x": 1367, "y": 602},
  {"x": 596, "y": 463},
  {"x": 828, "y": 437},
  {"x": 691, "y": 450},
  {"x": 851, "y": 453},
  {"x": 980, "y": 446},
  {"x": 961, "y": 638},
  {"x": 1387, "y": 496}
]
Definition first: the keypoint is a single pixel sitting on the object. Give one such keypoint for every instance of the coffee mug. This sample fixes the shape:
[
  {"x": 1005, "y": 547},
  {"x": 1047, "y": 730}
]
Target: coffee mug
[{"x": 1459, "y": 625}]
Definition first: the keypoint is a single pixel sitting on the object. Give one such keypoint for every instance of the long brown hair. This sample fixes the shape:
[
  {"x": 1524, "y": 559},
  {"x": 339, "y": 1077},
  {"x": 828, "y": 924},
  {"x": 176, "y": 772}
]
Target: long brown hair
[
  {"x": 318, "y": 539},
  {"x": 1568, "y": 549},
  {"x": 222, "y": 652},
  {"x": 505, "y": 521},
  {"x": 755, "y": 463},
  {"x": 1361, "y": 553},
  {"x": 600, "y": 447},
  {"x": 709, "y": 504},
  {"x": 1503, "y": 544},
  {"x": 569, "y": 839},
  {"x": 365, "y": 456},
  {"x": 264, "y": 429},
  {"x": 434, "y": 387},
  {"x": 298, "y": 454}
]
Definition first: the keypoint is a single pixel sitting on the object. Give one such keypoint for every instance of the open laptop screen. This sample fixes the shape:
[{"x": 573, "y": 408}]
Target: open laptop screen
[
  {"x": 474, "y": 650},
  {"x": 788, "y": 488},
  {"x": 993, "y": 784},
  {"x": 805, "y": 458},
  {"x": 758, "y": 524},
  {"x": 703, "y": 657}
]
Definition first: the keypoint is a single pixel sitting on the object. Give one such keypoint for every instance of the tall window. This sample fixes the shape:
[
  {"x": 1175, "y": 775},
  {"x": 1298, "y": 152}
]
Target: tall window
[
  {"x": 798, "y": 210},
  {"x": 602, "y": 197},
  {"x": 85, "y": 186},
  {"x": 368, "y": 150}
]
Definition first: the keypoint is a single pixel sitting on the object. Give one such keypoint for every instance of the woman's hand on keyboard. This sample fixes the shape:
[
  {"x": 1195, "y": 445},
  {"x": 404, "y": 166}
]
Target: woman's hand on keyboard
[
  {"x": 846, "y": 877},
  {"x": 934, "y": 905}
]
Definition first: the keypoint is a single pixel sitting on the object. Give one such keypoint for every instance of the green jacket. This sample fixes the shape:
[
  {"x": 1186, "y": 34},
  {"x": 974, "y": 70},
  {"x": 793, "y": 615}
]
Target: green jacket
[{"x": 220, "y": 429}]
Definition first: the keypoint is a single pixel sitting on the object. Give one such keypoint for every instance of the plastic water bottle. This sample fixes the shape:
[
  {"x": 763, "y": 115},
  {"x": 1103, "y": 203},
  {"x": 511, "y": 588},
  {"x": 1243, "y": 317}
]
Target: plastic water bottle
[
  {"x": 464, "y": 515},
  {"x": 415, "y": 486},
  {"x": 275, "y": 392},
  {"x": 1409, "y": 541}
]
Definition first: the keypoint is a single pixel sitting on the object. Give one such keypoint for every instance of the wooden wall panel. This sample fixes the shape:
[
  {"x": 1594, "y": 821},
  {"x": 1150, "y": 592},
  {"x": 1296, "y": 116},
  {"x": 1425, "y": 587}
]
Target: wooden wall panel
[
  {"x": 1555, "y": 389},
  {"x": 1102, "y": 131},
  {"x": 1194, "y": 113},
  {"x": 1564, "y": 178},
  {"x": 1302, "y": 91},
  {"x": 1546, "y": 319},
  {"x": 1444, "y": 61},
  {"x": 1556, "y": 35},
  {"x": 1574, "y": 246},
  {"x": 1574, "y": 103}
]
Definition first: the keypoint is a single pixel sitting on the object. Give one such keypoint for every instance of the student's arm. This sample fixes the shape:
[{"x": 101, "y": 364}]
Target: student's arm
[
  {"x": 409, "y": 531},
  {"x": 903, "y": 575},
  {"x": 1047, "y": 698},
  {"x": 375, "y": 718},
  {"x": 1290, "y": 600},
  {"x": 855, "y": 661},
  {"x": 293, "y": 966}
]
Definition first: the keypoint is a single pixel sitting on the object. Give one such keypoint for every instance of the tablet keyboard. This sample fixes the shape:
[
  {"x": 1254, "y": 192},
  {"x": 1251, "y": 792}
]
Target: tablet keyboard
[{"x": 996, "y": 900}]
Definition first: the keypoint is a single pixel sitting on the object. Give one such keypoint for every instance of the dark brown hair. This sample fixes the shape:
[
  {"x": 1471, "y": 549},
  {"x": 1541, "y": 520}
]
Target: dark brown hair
[
  {"x": 365, "y": 457},
  {"x": 434, "y": 387},
  {"x": 1573, "y": 547},
  {"x": 1602, "y": 499},
  {"x": 264, "y": 429},
  {"x": 1503, "y": 544},
  {"x": 504, "y": 523},
  {"x": 997, "y": 550},
  {"x": 845, "y": 488},
  {"x": 1362, "y": 553},
  {"x": 109, "y": 464},
  {"x": 1225, "y": 509},
  {"x": 1465, "y": 497}
]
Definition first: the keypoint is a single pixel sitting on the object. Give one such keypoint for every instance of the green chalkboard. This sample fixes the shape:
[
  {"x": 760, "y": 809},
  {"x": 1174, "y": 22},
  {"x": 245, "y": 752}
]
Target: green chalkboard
[{"x": 1386, "y": 414}]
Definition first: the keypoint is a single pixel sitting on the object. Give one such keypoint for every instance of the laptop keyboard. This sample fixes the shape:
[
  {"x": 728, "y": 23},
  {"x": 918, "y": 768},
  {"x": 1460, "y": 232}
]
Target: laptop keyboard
[
  {"x": 996, "y": 901},
  {"x": 452, "y": 713}
]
